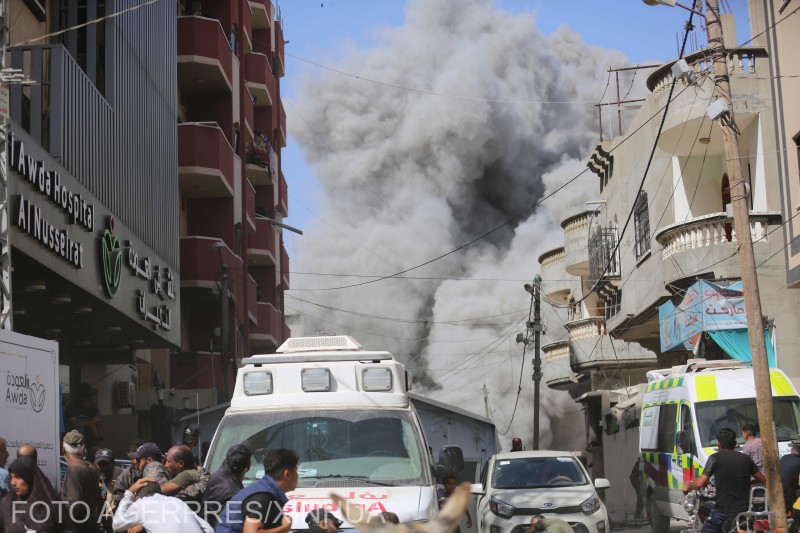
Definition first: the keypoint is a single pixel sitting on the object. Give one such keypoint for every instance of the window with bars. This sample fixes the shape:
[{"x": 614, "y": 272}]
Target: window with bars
[
  {"x": 641, "y": 225},
  {"x": 603, "y": 253}
]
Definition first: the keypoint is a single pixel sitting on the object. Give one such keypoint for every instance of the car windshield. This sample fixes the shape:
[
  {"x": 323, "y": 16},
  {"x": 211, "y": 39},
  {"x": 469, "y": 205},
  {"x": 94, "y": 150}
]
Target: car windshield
[
  {"x": 335, "y": 447},
  {"x": 733, "y": 414},
  {"x": 532, "y": 472}
]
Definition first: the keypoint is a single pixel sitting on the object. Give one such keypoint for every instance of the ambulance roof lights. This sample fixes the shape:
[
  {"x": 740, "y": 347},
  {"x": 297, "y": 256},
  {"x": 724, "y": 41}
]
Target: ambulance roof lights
[
  {"x": 315, "y": 379},
  {"x": 318, "y": 344},
  {"x": 376, "y": 379},
  {"x": 257, "y": 383}
]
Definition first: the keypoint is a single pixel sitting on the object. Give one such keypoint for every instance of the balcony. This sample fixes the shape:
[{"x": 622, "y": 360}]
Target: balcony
[
  {"x": 576, "y": 243},
  {"x": 205, "y": 161},
  {"x": 742, "y": 61},
  {"x": 247, "y": 22},
  {"x": 556, "y": 371},
  {"x": 556, "y": 284},
  {"x": 268, "y": 331},
  {"x": 262, "y": 248},
  {"x": 283, "y": 196},
  {"x": 279, "y": 49},
  {"x": 204, "y": 56},
  {"x": 282, "y": 123},
  {"x": 250, "y": 204},
  {"x": 201, "y": 260},
  {"x": 260, "y": 81},
  {"x": 590, "y": 348},
  {"x": 262, "y": 14},
  {"x": 284, "y": 268},
  {"x": 252, "y": 300}
]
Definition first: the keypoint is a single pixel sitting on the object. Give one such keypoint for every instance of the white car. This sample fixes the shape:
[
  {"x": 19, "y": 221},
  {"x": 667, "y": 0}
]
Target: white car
[{"x": 516, "y": 486}]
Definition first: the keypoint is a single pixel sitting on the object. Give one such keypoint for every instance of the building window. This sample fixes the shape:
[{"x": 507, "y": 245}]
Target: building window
[
  {"x": 603, "y": 254},
  {"x": 641, "y": 225}
]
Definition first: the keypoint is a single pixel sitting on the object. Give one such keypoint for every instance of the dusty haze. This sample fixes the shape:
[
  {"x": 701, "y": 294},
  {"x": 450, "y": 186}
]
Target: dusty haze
[{"x": 406, "y": 177}]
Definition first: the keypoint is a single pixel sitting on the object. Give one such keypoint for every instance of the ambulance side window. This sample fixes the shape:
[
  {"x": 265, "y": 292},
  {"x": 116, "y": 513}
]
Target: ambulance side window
[
  {"x": 667, "y": 419},
  {"x": 686, "y": 418},
  {"x": 649, "y": 428}
]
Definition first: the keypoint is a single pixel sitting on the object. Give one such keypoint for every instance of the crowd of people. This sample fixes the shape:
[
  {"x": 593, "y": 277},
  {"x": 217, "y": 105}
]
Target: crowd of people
[{"x": 159, "y": 492}]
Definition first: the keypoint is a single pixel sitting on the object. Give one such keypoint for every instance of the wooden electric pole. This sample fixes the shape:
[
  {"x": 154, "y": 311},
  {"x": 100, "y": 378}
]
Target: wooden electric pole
[{"x": 747, "y": 264}]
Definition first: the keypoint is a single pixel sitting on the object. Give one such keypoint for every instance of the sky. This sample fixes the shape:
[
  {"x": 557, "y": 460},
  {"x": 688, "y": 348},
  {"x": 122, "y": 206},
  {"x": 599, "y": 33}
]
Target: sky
[{"x": 418, "y": 126}]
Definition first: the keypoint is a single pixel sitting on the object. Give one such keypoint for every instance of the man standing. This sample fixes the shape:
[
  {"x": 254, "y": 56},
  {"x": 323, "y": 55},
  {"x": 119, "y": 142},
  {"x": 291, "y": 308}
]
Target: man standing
[
  {"x": 191, "y": 438},
  {"x": 80, "y": 488},
  {"x": 156, "y": 512},
  {"x": 551, "y": 525},
  {"x": 752, "y": 445},
  {"x": 81, "y": 414},
  {"x": 321, "y": 521},
  {"x": 185, "y": 481},
  {"x": 109, "y": 472},
  {"x": 516, "y": 444},
  {"x": 226, "y": 481},
  {"x": 263, "y": 500},
  {"x": 147, "y": 460},
  {"x": 790, "y": 471},
  {"x": 732, "y": 471}
]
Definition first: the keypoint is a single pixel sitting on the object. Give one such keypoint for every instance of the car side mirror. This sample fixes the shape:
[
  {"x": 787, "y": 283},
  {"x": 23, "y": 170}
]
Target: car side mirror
[
  {"x": 477, "y": 488},
  {"x": 452, "y": 458},
  {"x": 601, "y": 483},
  {"x": 686, "y": 442}
]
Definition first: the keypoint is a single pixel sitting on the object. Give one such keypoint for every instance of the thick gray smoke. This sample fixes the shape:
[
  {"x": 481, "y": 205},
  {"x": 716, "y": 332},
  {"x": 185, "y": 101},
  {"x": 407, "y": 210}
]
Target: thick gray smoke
[{"x": 408, "y": 176}]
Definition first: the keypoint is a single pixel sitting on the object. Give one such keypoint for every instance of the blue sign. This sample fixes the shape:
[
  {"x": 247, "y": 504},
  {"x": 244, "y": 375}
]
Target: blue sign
[{"x": 705, "y": 306}]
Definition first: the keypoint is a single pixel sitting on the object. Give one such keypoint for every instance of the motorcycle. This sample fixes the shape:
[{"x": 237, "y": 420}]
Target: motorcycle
[{"x": 698, "y": 504}]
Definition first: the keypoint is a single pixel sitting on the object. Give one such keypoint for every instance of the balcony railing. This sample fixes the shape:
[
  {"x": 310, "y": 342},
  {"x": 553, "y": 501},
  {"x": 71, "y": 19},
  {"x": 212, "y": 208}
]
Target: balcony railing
[
  {"x": 284, "y": 267},
  {"x": 582, "y": 328},
  {"x": 250, "y": 203},
  {"x": 252, "y": 299},
  {"x": 282, "y": 123},
  {"x": 268, "y": 331},
  {"x": 260, "y": 81},
  {"x": 283, "y": 191},
  {"x": 205, "y": 161},
  {"x": 576, "y": 243},
  {"x": 555, "y": 282},
  {"x": 556, "y": 371},
  {"x": 262, "y": 14},
  {"x": 743, "y": 61},
  {"x": 711, "y": 230},
  {"x": 205, "y": 60},
  {"x": 200, "y": 261},
  {"x": 262, "y": 247}
]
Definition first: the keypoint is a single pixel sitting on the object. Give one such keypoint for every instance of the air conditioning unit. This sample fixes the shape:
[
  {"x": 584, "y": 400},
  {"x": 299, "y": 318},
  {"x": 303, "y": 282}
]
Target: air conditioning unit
[{"x": 124, "y": 394}]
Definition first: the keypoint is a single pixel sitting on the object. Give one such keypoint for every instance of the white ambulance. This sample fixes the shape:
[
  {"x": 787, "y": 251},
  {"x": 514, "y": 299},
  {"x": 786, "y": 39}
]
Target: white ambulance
[
  {"x": 347, "y": 414},
  {"x": 682, "y": 410}
]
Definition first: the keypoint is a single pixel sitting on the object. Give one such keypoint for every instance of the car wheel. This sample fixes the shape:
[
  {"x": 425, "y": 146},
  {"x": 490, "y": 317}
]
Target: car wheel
[{"x": 658, "y": 522}]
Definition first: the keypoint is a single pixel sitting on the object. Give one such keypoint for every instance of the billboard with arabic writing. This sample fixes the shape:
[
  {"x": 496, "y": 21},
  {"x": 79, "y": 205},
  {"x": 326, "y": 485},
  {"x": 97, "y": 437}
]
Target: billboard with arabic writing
[{"x": 704, "y": 306}]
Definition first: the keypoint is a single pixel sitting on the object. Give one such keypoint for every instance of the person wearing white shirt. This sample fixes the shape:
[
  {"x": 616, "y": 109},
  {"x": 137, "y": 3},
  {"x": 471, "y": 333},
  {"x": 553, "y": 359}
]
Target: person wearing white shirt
[{"x": 155, "y": 512}]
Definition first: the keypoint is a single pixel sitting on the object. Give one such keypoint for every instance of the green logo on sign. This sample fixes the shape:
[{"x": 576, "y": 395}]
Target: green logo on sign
[{"x": 111, "y": 259}]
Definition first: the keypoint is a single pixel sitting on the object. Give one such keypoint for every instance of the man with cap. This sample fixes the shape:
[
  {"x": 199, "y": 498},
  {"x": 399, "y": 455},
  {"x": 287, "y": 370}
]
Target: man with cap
[
  {"x": 226, "y": 481},
  {"x": 191, "y": 438},
  {"x": 790, "y": 471},
  {"x": 80, "y": 488},
  {"x": 147, "y": 460},
  {"x": 109, "y": 471},
  {"x": 322, "y": 521},
  {"x": 516, "y": 444}
]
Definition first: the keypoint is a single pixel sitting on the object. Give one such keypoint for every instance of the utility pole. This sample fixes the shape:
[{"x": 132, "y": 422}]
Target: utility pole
[
  {"x": 225, "y": 328},
  {"x": 536, "y": 327},
  {"x": 747, "y": 264}
]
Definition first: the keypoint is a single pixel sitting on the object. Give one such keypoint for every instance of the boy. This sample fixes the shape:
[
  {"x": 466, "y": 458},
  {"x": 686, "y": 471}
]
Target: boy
[{"x": 442, "y": 494}]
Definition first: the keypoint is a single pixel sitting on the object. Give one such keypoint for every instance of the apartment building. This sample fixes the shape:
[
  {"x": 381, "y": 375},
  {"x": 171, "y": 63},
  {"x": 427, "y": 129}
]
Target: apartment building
[{"x": 231, "y": 129}]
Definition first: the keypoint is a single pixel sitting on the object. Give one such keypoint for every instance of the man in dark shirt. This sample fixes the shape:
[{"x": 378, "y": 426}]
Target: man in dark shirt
[
  {"x": 732, "y": 471},
  {"x": 81, "y": 414},
  {"x": 258, "y": 508},
  {"x": 790, "y": 472},
  {"x": 226, "y": 482},
  {"x": 80, "y": 488}
]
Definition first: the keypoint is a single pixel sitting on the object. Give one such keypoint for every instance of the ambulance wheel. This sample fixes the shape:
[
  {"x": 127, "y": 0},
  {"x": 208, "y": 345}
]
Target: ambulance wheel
[{"x": 658, "y": 522}]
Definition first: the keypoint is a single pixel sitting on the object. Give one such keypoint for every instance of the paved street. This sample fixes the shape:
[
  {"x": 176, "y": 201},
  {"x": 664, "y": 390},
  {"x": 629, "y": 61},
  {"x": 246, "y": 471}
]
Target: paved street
[{"x": 675, "y": 527}]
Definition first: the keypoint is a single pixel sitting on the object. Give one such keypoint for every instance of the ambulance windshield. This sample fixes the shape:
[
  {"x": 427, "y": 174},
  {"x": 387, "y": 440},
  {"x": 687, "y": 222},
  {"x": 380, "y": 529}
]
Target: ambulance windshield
[
  {"x": 336, "y": 448},
  {"x": 733, "y": 414}
]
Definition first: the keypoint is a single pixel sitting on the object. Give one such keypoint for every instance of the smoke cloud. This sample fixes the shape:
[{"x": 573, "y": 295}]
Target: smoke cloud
[{"x": 408, "y": 176}]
